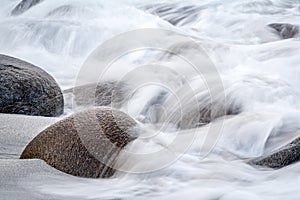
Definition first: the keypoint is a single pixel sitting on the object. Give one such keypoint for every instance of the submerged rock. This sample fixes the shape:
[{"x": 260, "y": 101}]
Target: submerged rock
[
  {"x": 286, "y": 155},
  {"x": 100, "y": 94},
  {"x": 27, "y": 89},
  {"x": 23, "y": 6},
  {"x": 285, "y": 31},
  {"x": 85, "y": 144},
  {"x": 199, "y": 107}
]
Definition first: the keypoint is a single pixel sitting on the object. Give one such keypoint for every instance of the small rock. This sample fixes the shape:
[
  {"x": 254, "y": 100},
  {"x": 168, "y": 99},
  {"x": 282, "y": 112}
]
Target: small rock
[
  {"x": 85, "y": 144},
  {"x": 27, "y": 89},
  {"x": 100, "y": 94},
  {"x": 285, "y": 156},
  {"x": 285, "y": 31}
]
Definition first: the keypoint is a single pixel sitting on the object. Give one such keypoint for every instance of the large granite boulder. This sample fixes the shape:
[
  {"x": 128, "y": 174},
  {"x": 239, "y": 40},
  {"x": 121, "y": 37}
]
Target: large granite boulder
[
  {"x": 85, "y": 144},
  {"x": 285, "y": 31},
  {"x": 27, "y": 89},
  {"x": 286, "y": 155},
  {"x": 23, "y": 6}
]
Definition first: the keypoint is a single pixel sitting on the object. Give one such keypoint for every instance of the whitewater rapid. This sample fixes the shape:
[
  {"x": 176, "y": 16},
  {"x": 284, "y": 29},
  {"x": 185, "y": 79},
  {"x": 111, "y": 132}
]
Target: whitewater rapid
[{"x": 259, "y": 70}]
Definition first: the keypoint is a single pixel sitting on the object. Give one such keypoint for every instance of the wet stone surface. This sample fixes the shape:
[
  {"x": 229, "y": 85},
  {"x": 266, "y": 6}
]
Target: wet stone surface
[
  {"x": 85, "y": 144},
  {"x": 27, "y": 89}
]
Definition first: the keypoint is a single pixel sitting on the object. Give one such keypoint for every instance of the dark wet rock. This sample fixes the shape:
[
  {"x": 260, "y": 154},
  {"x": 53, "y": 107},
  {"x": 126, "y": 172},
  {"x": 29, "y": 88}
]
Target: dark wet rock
[
  {"x": 85, "y": 144},
  {"x": 285, "y": 156},
  {"x": 24, "y": 5},
  {"x": 27, "y": 89},
  {"x": 100, "y": 94},
  {"x": 285, "y": 31}
]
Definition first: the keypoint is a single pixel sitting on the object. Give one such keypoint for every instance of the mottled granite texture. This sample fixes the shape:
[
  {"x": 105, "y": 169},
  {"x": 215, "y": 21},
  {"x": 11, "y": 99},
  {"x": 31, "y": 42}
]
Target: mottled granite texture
[
  {"x": 27, "y": 89},
  {"x": 286, "y": 155},
  {"x": 85, "y": 144}
]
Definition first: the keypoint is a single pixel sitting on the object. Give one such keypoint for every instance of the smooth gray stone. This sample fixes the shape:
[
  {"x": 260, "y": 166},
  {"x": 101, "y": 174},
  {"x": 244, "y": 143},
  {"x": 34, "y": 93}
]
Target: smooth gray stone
[
  {"x": 27, "y": 89},
  {"x": 16, "y": 131},
  {"x": 285, "y": 31},
  {"x": 285, "y": 156},
  {"x": 24, "y": 5}
]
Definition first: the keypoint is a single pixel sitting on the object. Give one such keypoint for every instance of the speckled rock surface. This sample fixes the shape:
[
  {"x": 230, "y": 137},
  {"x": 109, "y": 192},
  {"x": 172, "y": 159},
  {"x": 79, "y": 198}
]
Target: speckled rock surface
[
  {"x": 287, "y": 155},
  {"x": 85, "y": 144},
  {"x": 23, "y": 6},
  {"x": 285, "y": 31},
  {"x": 27, "y": 89}
]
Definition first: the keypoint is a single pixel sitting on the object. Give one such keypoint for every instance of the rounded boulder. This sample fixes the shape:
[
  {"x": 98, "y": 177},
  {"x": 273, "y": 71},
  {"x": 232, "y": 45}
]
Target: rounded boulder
[
  {"x": 85, "y": 144},
  {"x": 27, "y": 89}
]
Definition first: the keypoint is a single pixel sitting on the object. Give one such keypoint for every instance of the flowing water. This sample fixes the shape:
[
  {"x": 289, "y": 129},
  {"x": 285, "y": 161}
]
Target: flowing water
[{"x": 260, "y": 72}]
